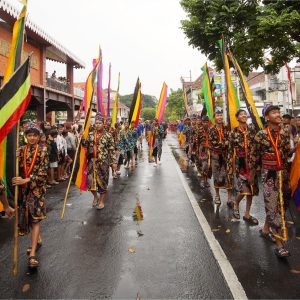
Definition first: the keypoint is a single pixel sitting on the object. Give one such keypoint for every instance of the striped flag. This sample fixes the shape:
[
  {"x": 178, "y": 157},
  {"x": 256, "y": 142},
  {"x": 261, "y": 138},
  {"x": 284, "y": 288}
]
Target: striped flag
[
  {"x": 15, "y": 96},
  {"x": 232, "y": 102},
  {"x": 134, "y": 100},
  {"x": 8, "y": 162},
  {"x": 295, "y": 178},
  {"x": 247, "y": 95},
  {"x": 100, "y": 107},
  {"x": 116, "y": 103},
  {"x": 208, "y": 102},
  {"x": 161, "y": 107},
  {"x": 81, "y": 176},
  {"x": 137, "y": 108}
]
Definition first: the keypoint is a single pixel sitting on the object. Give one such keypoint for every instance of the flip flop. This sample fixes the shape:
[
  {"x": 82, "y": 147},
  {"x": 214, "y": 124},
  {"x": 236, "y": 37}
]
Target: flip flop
[
  {"x": 33, "y": 262},
  {"x": 268, "y": 236},
  {"x": 282, "y": 252},
  {"x": 100, "y": 208},
  {"x": 251, "y": 220}
]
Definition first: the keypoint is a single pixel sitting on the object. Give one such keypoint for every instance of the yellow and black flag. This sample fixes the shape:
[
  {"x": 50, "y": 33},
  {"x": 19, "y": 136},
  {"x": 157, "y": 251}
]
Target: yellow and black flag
[{"x": 247, "y": 94}]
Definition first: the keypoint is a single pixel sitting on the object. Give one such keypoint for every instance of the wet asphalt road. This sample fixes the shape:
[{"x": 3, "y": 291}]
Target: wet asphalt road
[
  {"x": 107, "y": 254},
  {"x": 261, "y": 273}
]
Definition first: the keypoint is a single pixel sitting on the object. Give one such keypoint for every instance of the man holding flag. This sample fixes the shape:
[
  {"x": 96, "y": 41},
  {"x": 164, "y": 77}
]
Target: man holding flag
[
  {"x": 240, "y": 139},
  {"x": 270, "y": 152},
  {"x": 101, "y": 155},
  {"x": 218, "y": 144}
]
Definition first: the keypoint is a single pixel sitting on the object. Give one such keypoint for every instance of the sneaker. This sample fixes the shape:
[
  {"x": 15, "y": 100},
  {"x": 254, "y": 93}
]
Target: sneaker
[
  {"x": 155, "y": 165},
  {"x": 118, "y": 172}
]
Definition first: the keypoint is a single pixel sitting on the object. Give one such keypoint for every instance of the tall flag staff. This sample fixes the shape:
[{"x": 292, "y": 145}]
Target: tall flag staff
[
  {"x": 161, "y": 107},
  {"x": 116, "y": 103},
  {"x": 13, "y": 63},
  {"x": 247, "y": 94},
  {"x": 206, "y": 87},
  {"x": 108, "y": 92},
  {"x": 232, "y": 102},
  {"x": 80, "y": 181}
]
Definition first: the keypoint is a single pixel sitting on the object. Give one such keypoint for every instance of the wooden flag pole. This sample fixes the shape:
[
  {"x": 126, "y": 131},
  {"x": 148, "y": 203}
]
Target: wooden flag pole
[
  {"x": 70, "y": 178},
  {"x": 16, "y": 222}
]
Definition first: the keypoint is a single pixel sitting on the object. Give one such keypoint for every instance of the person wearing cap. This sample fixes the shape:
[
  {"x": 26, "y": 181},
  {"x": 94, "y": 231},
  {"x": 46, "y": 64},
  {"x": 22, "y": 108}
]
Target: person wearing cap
[
  {"x": 33, "y": 164},
  {"x": 125, "y": 144},
  {"x": 110, "y": 128},
  {"x": 218, "y": 144},
  {"x": 193, "y": 141},
  {"x": 134, "y": 139},
  {"x": 270, "y": 152},
  {"x": 204, "y": 164},
  {"x": 187, "y": 134},
  {"x": 240, "y": 139},
  {"x": 157, "y": 132},
  {"x": 101, "y": 155}
]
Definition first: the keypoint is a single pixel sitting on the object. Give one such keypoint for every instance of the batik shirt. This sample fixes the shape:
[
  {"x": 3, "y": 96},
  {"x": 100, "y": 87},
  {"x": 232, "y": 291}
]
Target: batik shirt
[
  {"x": 34, "y": 191},
  {"x": 125, "y": 142},
  {"x": 187, "y": 132},
  {"x": 217, "y": 138},
  {"x": 134, "y": 136},
  {"x": 203, "y": 140},
  {"x": 157, "y": 134},
  {"x": 239, "y": 147},
  {"x": 262, "y": 150},
  {"x": 104, "y": 145}
]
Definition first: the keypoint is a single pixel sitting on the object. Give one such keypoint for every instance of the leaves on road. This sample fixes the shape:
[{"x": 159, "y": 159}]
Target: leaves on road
[
  {"x": 294, "y": 271},
  {"x": 227, "y": 231},
  {"x": 25, "y": 287},
  {"x": 132, "y": 250},
  {"x": 215, "y": 229},
  {"x": 290, "y": 222}
]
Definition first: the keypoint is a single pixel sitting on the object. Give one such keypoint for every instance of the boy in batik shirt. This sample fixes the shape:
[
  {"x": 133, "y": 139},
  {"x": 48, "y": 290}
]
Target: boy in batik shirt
[
  {"x": 270, "y": 152},
  {"x": 204, "y": 152},
  {"x": 218, "y": 144},
  {"x": 101, "y": 149},
  {"x": 240, "y": 140},
  {"x": 33, "y": 163}
]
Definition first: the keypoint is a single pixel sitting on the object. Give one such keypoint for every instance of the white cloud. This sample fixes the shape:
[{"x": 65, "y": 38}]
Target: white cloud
[{"x": 139, "y": 37}]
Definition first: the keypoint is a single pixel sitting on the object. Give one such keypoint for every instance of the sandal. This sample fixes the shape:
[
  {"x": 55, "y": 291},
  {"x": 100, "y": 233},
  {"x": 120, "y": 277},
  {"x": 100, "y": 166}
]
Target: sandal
[
  {"x": 100, "y": 207},
  {"x": 217, "y": 200},
  {"x": 33, "y": 262},
  {"x": 236, "y": 214},
  {"x": 38, "y": 246},
  {"x": 251, "y": 220},
  {"x": 281, "y": 252},
  {"x": 268, "y": 236}
]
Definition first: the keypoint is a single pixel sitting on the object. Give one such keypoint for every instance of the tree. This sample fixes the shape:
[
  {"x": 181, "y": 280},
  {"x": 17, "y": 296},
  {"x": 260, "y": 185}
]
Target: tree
[
  {"x": 251, "y": 28},
  {"x": 148, "y": 100},
  {"x": 148, "y": 113},
  {"x": 175, "y": 105}
]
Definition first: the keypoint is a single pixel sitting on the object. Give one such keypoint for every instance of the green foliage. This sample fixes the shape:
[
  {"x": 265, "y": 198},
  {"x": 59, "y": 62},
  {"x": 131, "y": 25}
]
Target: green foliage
[
  {"x": 251, "y": 28},
  {"x": 175, "y": 105},
  {"x": 148, "y": 113},
  {"x": 148, "y": 101},
  {"x": 30, "y": 115}
]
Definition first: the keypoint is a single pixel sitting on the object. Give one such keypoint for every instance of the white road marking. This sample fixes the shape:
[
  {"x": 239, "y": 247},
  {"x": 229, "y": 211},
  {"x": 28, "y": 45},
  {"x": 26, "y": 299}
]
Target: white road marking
[{"x": 230, "y": 277}]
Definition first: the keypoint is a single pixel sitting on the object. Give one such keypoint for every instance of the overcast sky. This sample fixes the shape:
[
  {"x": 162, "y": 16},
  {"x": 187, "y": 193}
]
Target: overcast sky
[{"x": 139, "y": 37}]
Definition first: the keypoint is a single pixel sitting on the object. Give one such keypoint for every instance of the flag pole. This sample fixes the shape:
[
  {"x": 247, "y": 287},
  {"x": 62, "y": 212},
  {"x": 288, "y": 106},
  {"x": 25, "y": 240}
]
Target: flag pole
[
  {"x": 16, "y": 221},
  {"x": 70, "y": 178}
]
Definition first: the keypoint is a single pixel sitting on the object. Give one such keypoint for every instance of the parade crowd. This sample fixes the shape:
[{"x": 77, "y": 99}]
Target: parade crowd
[
  {"x": 46, "y": 156},
  {"x": 237, "y": 159}
]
